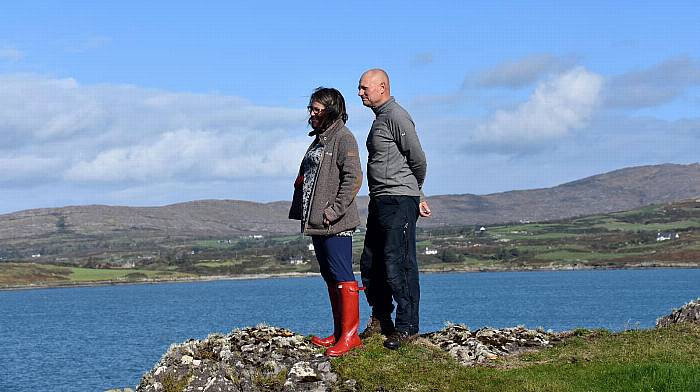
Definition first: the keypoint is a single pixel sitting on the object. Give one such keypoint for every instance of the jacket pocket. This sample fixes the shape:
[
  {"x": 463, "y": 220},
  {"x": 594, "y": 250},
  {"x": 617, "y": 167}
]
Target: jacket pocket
[{"x": 316, "y": 216}]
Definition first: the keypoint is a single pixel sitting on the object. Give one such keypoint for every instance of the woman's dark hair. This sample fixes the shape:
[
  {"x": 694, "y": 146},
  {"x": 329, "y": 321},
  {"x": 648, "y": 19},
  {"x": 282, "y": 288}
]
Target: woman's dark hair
[{"x": 334, "y": 103}]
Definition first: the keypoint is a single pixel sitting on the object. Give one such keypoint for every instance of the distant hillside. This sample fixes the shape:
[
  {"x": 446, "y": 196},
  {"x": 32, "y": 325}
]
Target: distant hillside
[
  {"x": 79, "y": 226},
  {"x": 618, "y": 190}
]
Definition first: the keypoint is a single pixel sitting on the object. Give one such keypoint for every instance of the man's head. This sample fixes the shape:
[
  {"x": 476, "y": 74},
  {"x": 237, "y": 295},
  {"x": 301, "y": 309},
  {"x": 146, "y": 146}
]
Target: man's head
[{"x": 374, "y": 88}]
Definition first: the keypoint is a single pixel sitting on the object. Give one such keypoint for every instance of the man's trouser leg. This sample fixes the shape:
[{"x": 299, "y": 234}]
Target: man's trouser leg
[
  {"x": 397, "y": 217},
  {"x": 373, "y": 272}
]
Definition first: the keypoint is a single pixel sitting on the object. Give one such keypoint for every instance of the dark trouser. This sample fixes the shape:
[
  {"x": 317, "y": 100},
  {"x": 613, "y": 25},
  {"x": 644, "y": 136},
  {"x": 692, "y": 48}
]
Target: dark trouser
[
  {"x": 334, "y": 255},
  {"x": 388, "y": 264}
]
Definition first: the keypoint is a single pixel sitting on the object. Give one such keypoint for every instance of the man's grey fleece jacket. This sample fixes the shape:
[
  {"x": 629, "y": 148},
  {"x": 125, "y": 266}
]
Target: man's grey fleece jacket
[{"x": 396, "y": 163}]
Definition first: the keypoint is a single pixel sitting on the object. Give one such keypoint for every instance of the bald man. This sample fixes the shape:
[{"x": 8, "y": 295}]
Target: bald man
[{"x": 396, "y": 169}]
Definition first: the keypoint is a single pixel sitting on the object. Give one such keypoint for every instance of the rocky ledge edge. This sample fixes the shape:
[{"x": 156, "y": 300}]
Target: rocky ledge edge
[
  {"x": 265, "y": 358},
  {"x": 272, "y": 358}
]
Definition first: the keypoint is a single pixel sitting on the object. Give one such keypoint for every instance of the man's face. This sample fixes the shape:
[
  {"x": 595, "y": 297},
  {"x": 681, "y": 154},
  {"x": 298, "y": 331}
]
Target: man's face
[{"x": 370, "y": 90}]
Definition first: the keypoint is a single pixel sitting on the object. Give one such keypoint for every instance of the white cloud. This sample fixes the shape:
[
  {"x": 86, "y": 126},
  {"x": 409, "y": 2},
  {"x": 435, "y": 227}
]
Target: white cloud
[
  {"x": 12, "y": 54},
  {"x": 654, "y": 86},
  {"x": 193, "y": 155},
  {"x": 119, "y": 134},
  {"x": 521, "y": 72},
  {"x": 22, "y": 168},
  {"x": 556, "y": 107}
]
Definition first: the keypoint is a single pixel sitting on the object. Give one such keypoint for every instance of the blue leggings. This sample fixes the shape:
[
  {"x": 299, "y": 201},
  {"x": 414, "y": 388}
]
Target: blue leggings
[{"x": 334, "y": 255}]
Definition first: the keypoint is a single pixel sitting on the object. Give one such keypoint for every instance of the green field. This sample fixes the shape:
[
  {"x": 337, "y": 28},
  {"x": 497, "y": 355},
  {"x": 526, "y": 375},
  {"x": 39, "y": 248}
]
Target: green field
[
  {"x": 18, "y": 274},
  {"x": 665, "y": 359},
  {"x": 624, "y": 239},
  {"x": 95, "y": 275}
]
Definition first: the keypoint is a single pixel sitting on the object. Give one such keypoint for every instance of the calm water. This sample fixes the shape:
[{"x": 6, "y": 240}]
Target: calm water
[{"x": 92, "y": 339}]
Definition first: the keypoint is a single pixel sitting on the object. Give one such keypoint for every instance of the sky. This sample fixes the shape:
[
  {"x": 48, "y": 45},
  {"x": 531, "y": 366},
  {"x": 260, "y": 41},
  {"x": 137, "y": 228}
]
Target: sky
[{"x": 148, "y": 103}]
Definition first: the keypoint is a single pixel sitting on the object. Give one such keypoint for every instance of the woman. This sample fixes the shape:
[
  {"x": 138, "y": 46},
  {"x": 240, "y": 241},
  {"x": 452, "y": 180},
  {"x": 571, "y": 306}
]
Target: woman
[{"x": 324, "y": 200}]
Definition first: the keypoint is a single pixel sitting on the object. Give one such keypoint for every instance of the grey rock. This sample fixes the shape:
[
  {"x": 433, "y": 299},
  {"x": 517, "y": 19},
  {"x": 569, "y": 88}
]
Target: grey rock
[
  {"x": 688, "y": 313},
  {"x": 487, "y": 344},
  {"x": 251, "y": 359}
]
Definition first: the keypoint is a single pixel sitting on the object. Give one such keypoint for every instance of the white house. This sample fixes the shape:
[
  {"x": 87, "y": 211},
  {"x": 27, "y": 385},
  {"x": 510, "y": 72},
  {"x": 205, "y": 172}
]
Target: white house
[
  {"x": 429, "y": 251},
  {"x": 664, "y": 236}
]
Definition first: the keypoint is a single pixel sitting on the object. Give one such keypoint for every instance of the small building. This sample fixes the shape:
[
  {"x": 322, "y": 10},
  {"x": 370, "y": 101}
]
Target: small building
[
  {"x": 429, "y": 251},
  {"x": 311, "y": 247},
  {"x": 296, "y": 261},
  {"x": 36, "y": 255},
  {"x": 665, "y": 236}
]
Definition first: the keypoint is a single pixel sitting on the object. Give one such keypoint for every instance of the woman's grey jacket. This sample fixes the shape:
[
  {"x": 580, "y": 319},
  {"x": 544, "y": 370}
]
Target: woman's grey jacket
[{"x": 338, "y": 180}]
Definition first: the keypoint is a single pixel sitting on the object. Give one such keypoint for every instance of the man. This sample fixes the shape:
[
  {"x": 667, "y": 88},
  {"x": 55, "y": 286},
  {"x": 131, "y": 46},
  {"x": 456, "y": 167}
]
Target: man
[{"x": 396, "y": 169}]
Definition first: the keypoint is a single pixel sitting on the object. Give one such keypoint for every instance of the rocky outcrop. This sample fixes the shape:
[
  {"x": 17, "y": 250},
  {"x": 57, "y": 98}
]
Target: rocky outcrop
[
  {"x": 251, "y": 359},
  {"x": 689, "y": 313},
  {"x": 487, "y": 344},
  {"x": 267, "y": 358}
]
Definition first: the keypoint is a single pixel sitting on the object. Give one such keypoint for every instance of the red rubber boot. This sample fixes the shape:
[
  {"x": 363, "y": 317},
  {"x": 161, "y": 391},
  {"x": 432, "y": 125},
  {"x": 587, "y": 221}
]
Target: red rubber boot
[
  {"x": 349, "y": 320},
  {"x": 335, "y": 307}
]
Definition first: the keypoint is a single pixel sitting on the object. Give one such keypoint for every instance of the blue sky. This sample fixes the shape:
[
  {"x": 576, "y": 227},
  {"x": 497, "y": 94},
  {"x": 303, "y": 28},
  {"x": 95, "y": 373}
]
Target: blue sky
[{"x": 151, "y": 103}]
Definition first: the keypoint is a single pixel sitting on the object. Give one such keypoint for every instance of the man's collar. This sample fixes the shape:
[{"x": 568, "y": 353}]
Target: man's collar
[{"x": 383, "y": 107}]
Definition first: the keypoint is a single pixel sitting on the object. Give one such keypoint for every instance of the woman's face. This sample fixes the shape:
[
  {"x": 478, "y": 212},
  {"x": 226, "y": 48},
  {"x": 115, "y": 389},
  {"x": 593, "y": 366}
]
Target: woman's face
[{"x": 316, "y": 113}]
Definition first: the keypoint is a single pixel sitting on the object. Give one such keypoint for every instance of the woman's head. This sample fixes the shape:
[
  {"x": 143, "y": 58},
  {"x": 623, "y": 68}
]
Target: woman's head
[{"x": 325, "y": 106}]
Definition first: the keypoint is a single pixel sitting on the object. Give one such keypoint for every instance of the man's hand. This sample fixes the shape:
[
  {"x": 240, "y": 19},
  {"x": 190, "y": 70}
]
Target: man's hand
[{"x": 424, "y": 209}]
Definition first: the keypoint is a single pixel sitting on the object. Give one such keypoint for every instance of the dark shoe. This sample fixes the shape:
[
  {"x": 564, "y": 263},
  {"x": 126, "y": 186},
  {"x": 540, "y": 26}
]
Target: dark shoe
[
  {"x": 397, "y": 339},
  {"x": 377, "y": 326},
  {"x": 373, "y": 327}
]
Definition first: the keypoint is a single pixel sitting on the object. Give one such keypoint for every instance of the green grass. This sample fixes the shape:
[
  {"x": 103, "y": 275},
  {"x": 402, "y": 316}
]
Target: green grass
[
  {"x": 467, "y": 263},
  {"x": 31, "y": 273},
  {"x": 216, "y": 264},
  {"x": 666, "y": 359},
  {"x": 93, "y": 275},
  {"x": 570, "y": 255},
  {"x": 553, "y": 236},
  {"x": 623, "y": 226},
  {"x": 574, "y": 247},
  {"x": 28, "y": 273}
]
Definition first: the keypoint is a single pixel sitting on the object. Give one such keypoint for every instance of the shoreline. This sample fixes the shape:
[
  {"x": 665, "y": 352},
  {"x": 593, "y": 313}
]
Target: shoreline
[
  {"x": 193, "y": 279},
  {"x": 196, "y": 279}
]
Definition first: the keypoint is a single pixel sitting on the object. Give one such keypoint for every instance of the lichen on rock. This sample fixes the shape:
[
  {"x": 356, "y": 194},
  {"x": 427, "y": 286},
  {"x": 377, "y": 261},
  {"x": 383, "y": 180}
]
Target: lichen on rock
[
  {"x": 487, "y": 344},
  {"x": 263, "y": 358}
]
